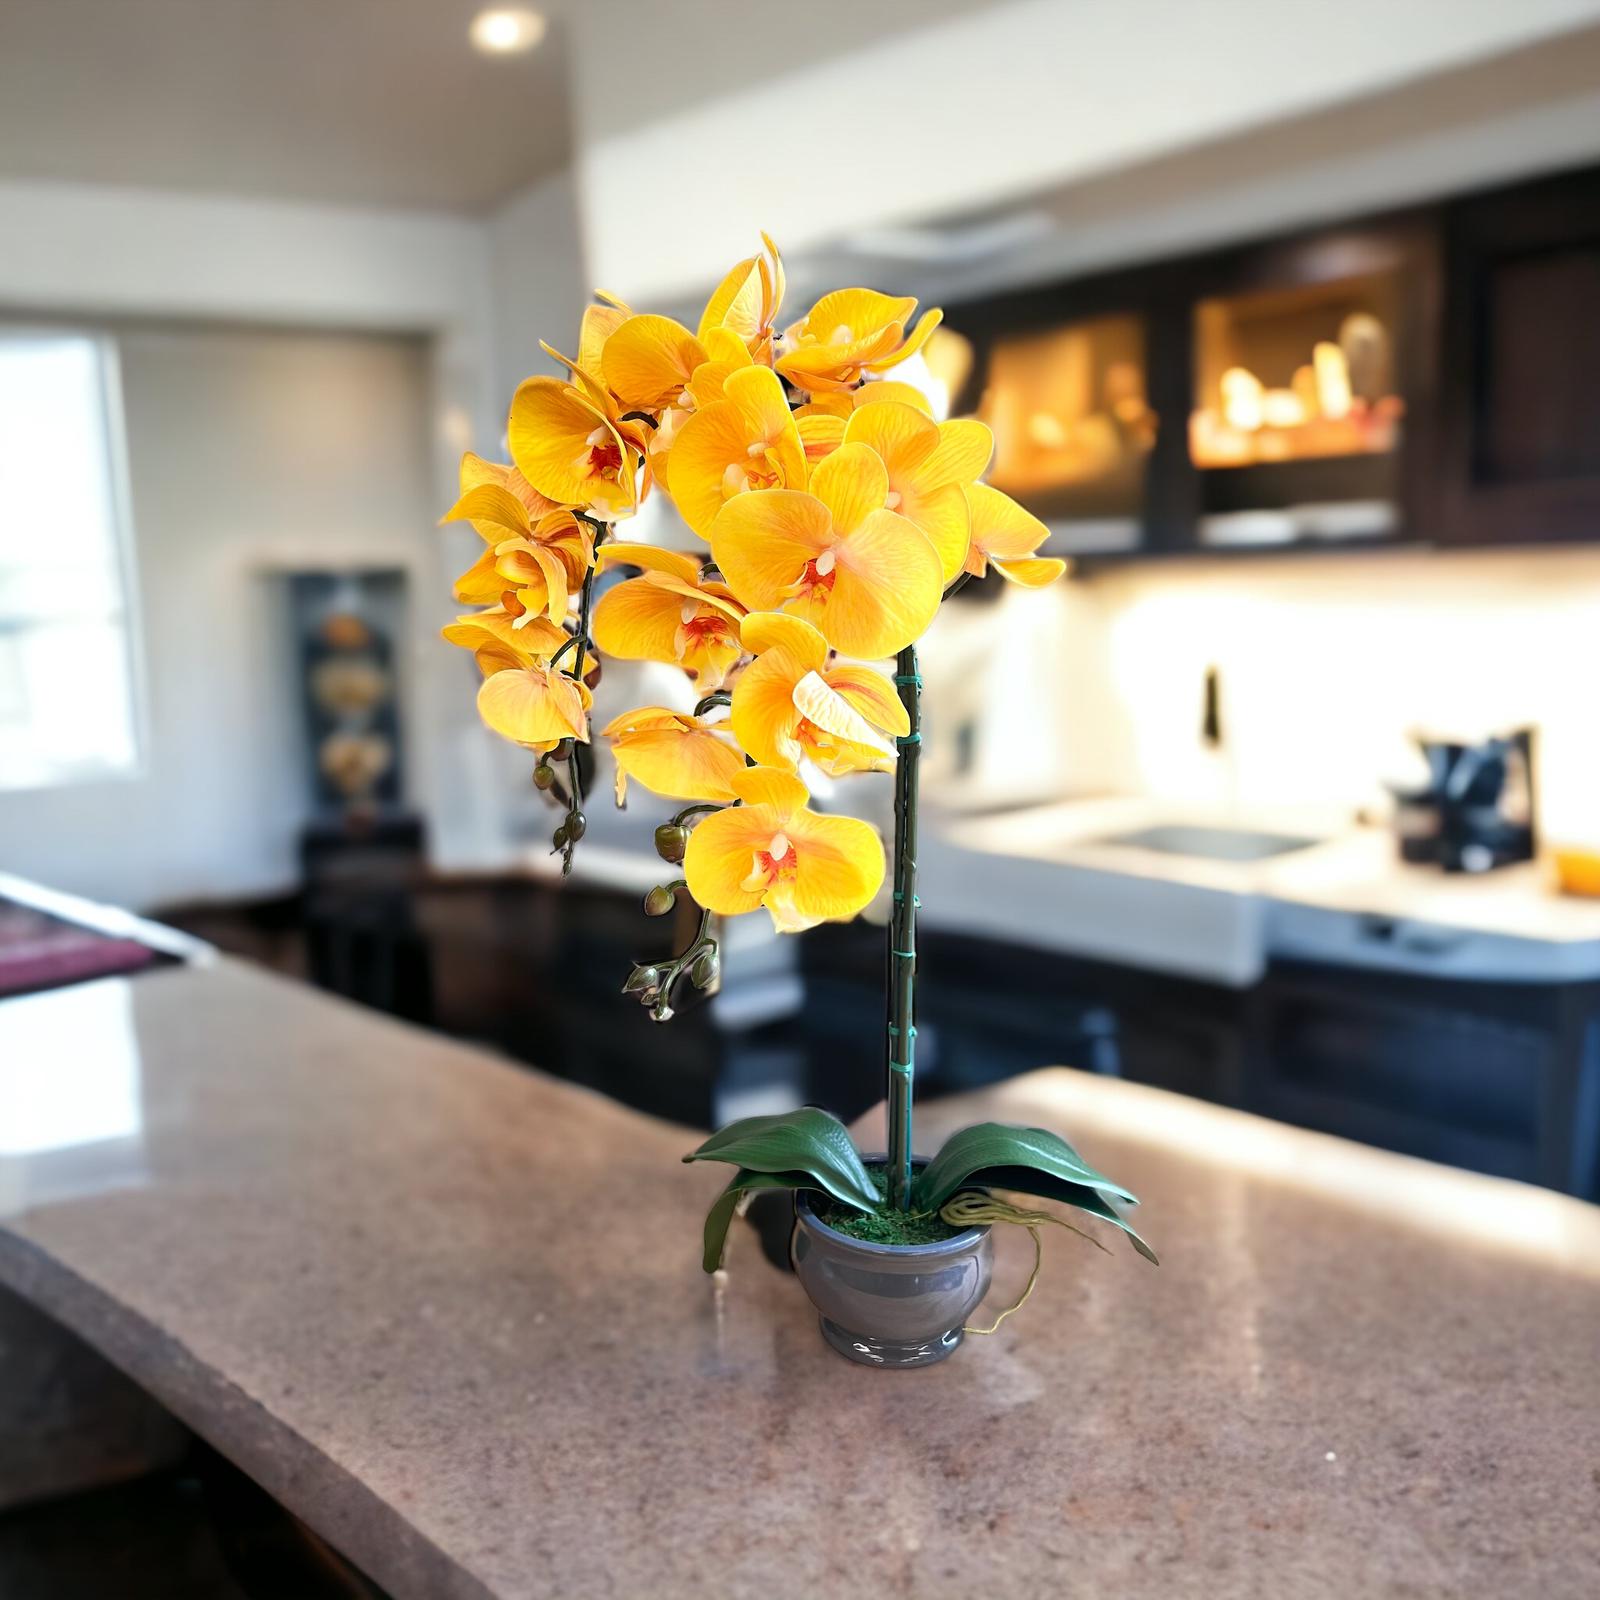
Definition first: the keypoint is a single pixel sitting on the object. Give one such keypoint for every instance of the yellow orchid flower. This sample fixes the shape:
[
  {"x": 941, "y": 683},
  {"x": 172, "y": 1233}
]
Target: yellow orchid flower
[
  {"x": 587, "y": 373},
  {"x": 864, "y": 576},
  {"x": 823, "y": 418},
  {"x": 929, "y": 464},
  {"x": 842, "y": 403},
  {"x": 849, "y": 334},
  {"x": 505, "y": 636},
  {"x": 773, "y": 851},
  {"x": 534, "y": 706},
  {"x": 475, "y": 472},
  {"x": 541, "y": 575},
  {"x": 745, "y": 441},
  {"x": 648, "y": 362},
  {"x": 747, "y": 301},
  {"x": 541, "y": 560},
  {"x": 820, "y": 435},
  {"x": 790, "y": 703},
  {"x": 669, "y": 614},
  {"x": 1004, "y": 537},
  {"x": 673, "y": 754},
  {"x": 568, "y": 448},
  {"x": 598, "y": 324},
  {"x": 725, "y": 354}
]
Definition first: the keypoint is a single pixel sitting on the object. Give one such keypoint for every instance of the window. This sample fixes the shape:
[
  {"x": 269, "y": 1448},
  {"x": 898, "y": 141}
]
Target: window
[{"x": 67, "y": 709}]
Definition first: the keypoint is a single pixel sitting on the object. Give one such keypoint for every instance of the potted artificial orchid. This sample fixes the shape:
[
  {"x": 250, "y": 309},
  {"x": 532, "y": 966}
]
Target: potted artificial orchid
[{"x": 839, "y": 514}]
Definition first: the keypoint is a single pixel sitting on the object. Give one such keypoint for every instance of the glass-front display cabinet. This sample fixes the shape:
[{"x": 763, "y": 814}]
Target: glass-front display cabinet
[
  {"x": 1299, "y": 411},
  {"x": 1069, "y": 407},
  {"x": 1280, "y": 393}
]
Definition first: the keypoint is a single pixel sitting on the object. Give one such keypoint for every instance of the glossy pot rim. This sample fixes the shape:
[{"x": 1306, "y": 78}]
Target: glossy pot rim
[{"x": 966, "y": 1240}]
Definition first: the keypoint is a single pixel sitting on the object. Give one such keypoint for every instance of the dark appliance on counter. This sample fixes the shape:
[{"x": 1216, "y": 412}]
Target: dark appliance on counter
[{"x": 1476, "y": 810}]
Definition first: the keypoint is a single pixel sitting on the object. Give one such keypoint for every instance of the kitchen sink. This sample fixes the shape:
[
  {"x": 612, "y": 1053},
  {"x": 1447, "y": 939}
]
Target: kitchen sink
[{"x": 1210, "y": 844}]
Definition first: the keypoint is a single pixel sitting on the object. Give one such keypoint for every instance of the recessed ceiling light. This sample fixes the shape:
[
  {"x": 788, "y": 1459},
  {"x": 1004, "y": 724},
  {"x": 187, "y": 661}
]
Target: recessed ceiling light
[{"x": 507, "y": 30}]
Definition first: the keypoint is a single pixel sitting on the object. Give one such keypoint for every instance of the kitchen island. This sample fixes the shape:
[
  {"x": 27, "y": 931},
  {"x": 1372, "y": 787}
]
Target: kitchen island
[{"x": 450, "y": 1313}]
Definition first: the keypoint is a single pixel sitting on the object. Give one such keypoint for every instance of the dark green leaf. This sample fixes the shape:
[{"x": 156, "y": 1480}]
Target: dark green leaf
[
  {"x": 720, "y": 1217},
  {"x": 1029, "y": 1180},
  {"x": 994, "y": 1144},
  {"x": 808, "y": 1141}
]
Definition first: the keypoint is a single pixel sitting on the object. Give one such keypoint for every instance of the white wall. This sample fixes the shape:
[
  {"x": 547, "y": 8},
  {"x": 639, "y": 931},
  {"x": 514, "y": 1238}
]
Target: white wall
[
  {"x": 85, "y": 253},
  {"x": 248, "y": 452},
  {"x": 84, "y": 247},
  {"x": 538, "y": 279},
  {"x": 1328, "y": 664}
]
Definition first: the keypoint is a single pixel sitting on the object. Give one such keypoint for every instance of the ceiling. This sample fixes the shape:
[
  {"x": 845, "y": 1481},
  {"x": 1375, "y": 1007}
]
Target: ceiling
[
  {"x": 371, "y": 102},
  {"x": 377, "y": 102}
]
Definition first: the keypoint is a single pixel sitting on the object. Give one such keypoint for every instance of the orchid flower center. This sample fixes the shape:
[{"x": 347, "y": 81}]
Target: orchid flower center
[
  {"x": 759, "y": 470},
  {"x": 603, "y": 455},
  {"x": 700, "y": 628},
  {"x": 774, "y": 865},
  {"x": 817, "y": 578}
]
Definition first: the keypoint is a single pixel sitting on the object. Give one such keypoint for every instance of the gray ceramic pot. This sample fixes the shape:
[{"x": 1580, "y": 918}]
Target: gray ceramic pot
[{"x": 889, "y": 1305}]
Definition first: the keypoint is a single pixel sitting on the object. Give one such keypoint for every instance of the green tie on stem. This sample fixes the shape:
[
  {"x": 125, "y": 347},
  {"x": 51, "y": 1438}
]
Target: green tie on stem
[{"x": 902, "y": 962}]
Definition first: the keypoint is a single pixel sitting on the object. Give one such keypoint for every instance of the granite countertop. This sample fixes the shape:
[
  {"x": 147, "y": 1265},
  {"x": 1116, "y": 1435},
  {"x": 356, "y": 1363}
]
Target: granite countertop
[{"x": 451, "y": 1314}]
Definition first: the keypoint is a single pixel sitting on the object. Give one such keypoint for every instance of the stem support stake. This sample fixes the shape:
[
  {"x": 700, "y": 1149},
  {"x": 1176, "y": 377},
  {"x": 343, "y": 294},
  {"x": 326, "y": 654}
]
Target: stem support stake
[{"x": 902, "y": 944}]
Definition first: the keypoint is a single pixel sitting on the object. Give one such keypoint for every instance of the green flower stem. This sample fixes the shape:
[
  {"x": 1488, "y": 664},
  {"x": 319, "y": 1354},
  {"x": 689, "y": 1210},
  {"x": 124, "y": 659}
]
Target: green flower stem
[
  {"x": 579, "y": 645},
  {"x": 694, "y": 811},
  {"x": 902, "y": 963}
]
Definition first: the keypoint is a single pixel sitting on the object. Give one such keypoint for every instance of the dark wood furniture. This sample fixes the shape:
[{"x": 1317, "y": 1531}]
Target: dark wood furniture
[
  {"x": 1500, "y": 1077},
  {"x": 1497, "y": 346},
  {"x": 1521, "y": 409}
]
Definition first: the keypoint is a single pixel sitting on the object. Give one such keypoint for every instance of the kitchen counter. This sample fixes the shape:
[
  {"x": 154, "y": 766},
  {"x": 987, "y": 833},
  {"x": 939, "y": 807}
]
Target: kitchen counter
[
  {"x": 1346, "y": 898},
  {"x": 451, "y": 1314}
]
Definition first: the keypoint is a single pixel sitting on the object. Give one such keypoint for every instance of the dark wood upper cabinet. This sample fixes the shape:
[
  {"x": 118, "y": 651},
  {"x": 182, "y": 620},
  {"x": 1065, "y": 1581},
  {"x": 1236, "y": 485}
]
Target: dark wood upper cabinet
[
  {"x": 1521, "y": 395},
  {"x": 1427, "y": 376}
]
